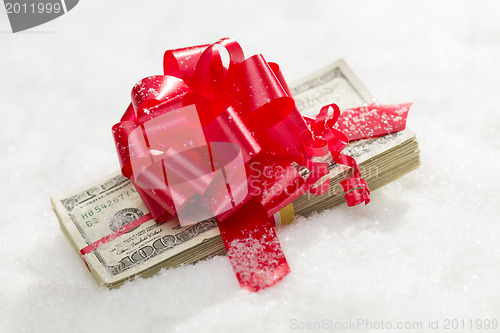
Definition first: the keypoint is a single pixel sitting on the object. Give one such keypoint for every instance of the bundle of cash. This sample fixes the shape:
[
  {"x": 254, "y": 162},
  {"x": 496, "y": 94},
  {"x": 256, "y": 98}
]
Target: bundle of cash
[{"x": 103, "y": 207}]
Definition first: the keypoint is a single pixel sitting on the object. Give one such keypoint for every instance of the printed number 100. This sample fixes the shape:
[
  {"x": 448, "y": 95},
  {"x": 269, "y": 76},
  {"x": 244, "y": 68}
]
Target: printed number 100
[{"x": 40, "y": 8}]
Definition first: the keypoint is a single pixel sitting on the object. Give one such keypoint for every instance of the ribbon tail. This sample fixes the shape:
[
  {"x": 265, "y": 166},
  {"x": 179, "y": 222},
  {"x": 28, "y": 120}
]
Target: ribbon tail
[
  {"x": 373, "y": 120},
  {"x": 253, "y": 248},
  {"x": 355, "y": 188}
]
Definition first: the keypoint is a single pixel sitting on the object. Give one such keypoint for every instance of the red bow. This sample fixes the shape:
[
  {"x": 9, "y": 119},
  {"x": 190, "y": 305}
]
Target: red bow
[{"x": 208, "y": 139}]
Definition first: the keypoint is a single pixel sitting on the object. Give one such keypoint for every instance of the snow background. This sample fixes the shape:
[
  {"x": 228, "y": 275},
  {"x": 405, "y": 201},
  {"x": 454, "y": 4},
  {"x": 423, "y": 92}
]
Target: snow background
[{"x": 426, "y": 247}]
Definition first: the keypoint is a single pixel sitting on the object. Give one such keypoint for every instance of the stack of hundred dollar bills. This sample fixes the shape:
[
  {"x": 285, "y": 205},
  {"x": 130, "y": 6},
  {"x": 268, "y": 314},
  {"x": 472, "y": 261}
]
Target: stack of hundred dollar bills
[{"x": 101, "y": 208}]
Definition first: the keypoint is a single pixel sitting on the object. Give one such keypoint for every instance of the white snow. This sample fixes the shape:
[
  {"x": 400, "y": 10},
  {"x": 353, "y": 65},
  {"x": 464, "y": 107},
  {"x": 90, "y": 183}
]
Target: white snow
[{"x": 426, "y": 248}]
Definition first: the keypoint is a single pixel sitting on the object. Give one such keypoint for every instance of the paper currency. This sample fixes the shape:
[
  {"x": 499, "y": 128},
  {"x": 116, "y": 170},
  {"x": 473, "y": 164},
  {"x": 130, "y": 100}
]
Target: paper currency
[{"x": 97, "y": 210}]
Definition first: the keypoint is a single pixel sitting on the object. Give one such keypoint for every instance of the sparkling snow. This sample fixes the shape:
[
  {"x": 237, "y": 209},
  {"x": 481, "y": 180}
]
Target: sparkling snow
[{"x": 426, "y": 248}]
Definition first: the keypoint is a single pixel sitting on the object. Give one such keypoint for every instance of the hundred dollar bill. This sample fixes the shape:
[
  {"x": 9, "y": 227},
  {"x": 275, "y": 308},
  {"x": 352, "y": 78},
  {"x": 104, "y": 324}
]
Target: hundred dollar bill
[
  {"x": 101, "y": 208},
  {"x": 336, "y": 83},
  {"x": 381, "y": 160}
]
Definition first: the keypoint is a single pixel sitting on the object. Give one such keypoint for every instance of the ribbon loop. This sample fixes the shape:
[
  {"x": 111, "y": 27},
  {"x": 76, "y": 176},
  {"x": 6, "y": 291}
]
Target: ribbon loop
[
  {"x": 181, "y": 63},
  {"x": 154, "y": 90}
]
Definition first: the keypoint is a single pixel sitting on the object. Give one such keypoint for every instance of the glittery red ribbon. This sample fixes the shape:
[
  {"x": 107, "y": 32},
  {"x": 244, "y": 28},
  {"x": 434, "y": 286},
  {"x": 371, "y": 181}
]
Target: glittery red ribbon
[{"x": 238, "y": 163}]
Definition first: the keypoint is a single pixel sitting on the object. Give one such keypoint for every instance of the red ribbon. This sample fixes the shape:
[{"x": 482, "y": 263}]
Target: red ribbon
[{"x": 207, "y": 139}]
